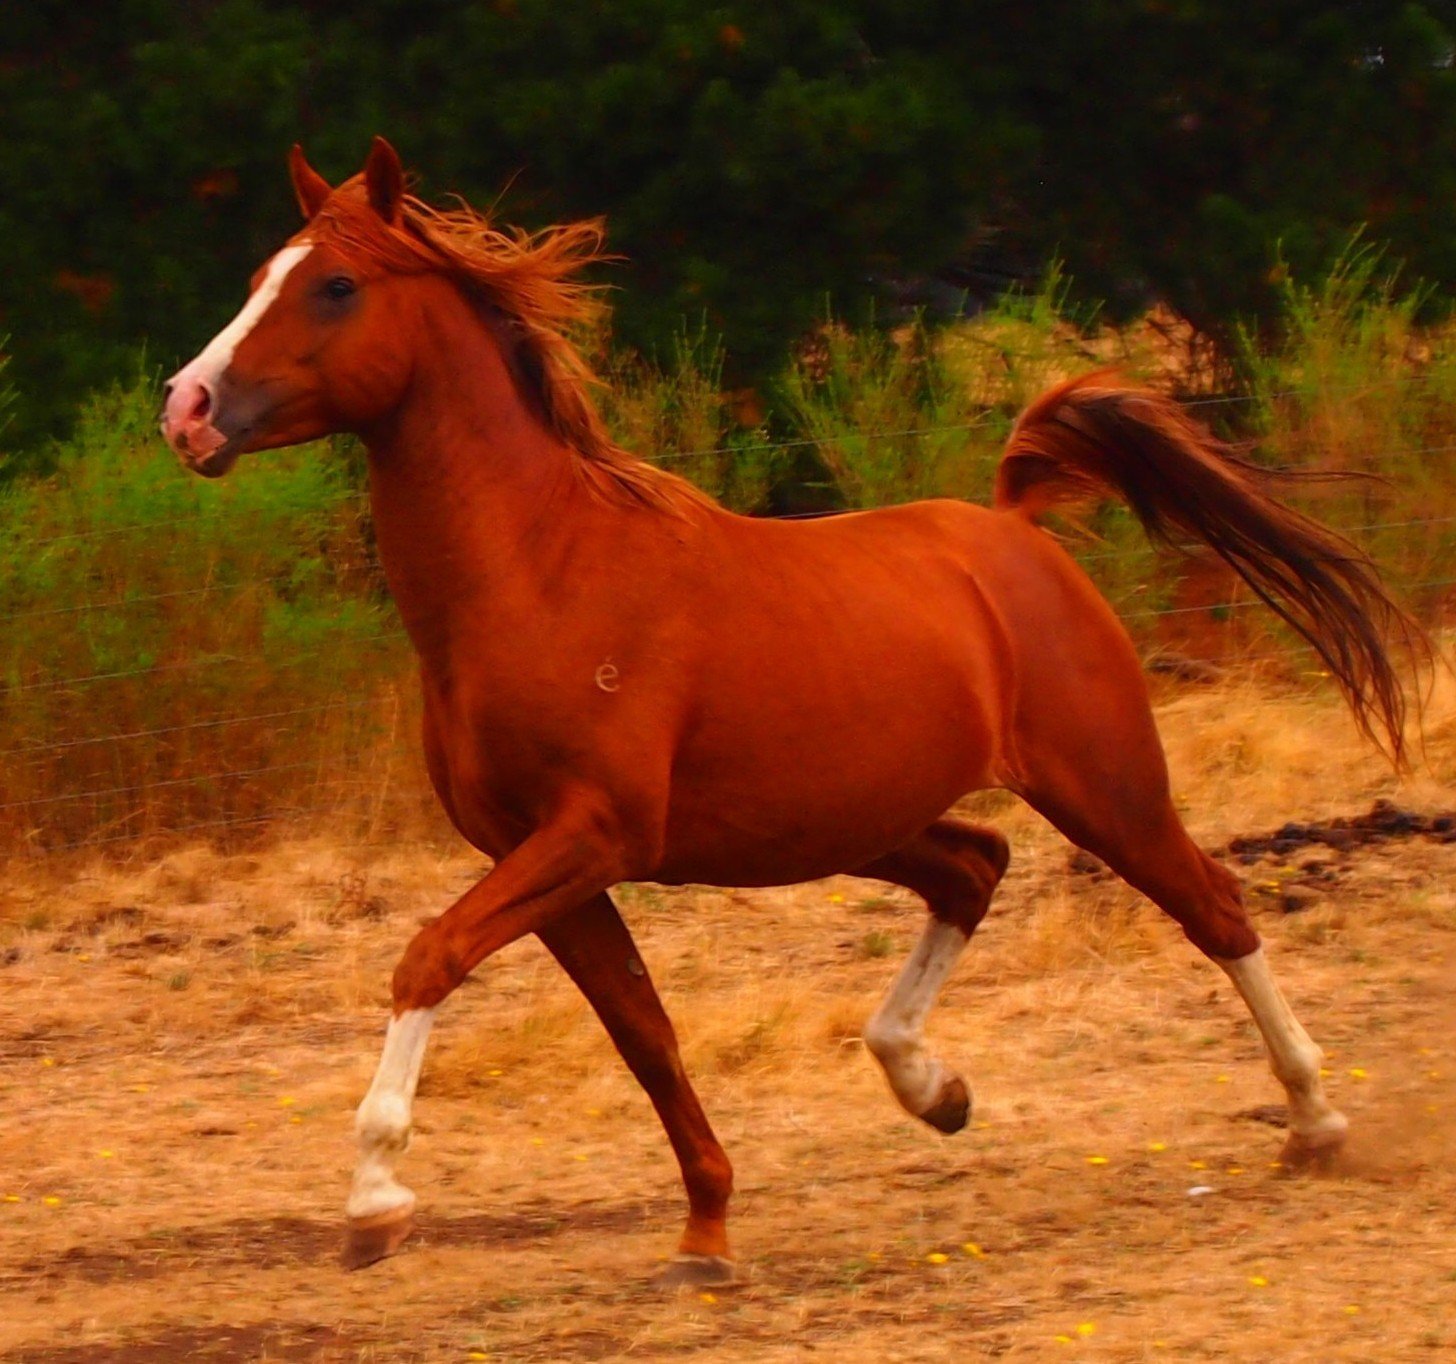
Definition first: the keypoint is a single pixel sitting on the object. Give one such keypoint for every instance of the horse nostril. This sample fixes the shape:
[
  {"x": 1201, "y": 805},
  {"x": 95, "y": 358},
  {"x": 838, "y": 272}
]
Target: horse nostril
[
  {"x": 167, "y": 390},
  {"x": 203, "y": 406}
]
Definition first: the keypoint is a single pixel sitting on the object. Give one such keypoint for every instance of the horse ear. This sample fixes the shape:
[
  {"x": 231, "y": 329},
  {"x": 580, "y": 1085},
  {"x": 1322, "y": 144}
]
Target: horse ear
[
  {"x": 309, "y": 186},
  {"x": 384, "y": 178}
]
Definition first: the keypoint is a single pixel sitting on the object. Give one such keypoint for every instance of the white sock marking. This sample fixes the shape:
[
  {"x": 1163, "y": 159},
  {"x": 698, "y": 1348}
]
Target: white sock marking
[
  {"x": 894, "y": 1033},
  {"x": 383, "y": 1120},
  {"x": 1293, "y": 1056}
]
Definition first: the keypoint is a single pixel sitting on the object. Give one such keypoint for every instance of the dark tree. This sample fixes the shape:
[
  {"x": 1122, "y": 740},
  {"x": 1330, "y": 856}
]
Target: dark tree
[{"x": 752, "y": 159}]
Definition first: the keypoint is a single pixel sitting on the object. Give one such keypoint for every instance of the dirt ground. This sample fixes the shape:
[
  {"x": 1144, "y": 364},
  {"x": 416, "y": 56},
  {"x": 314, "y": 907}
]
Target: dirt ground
[{"x": 183, "y": 1041}]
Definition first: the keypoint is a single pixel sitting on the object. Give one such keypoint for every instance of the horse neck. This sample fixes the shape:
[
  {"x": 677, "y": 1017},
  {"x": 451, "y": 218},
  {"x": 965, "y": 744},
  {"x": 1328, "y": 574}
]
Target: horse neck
[{"x": 473, "y": 498}]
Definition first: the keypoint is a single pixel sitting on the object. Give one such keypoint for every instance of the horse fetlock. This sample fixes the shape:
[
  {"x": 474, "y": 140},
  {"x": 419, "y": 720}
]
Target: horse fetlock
[
  {"x": 382, "y": 1123},
  {"x": 709, "y": 1177},
  {"x": 375, "y": 1191},
  {"x": 924, "y": 1085},
  {"x": 1296, "y": 1065},
  {"x": 1318, "y": 1128},
  {"x": 383, "y": 1127},
  {"x": 888, "y": 1041},
  {"x": 1313, "y": 1120}
]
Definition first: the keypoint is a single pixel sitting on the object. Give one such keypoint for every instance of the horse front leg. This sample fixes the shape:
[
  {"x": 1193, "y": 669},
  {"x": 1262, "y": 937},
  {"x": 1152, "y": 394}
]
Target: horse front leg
[
  {"x": 596, "y": 950},
  {"x": 557, "y": 869},
  {"x": 380, "y": 1209}
]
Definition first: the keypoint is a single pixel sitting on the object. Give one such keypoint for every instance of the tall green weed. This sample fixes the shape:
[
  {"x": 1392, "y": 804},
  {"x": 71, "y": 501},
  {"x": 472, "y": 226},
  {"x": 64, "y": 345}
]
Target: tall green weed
[
  {"x": 1356, "y": 384},
  {"x": 679, "y": 415},
  {"x": 174, "y": 651},
  {"x": 915, "y": 412}
]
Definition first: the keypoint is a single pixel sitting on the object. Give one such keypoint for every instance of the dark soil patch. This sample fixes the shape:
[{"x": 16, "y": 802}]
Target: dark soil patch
[
  {"x": 1383, "y": 823},
  {"x": 283, "y": 1341},
  {"x": 267, "y": 1243}
]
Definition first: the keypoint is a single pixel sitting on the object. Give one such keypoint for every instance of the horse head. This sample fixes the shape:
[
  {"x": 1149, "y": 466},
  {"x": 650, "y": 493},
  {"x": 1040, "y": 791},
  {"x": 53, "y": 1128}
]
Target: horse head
[{"x": 315, "y": 349}]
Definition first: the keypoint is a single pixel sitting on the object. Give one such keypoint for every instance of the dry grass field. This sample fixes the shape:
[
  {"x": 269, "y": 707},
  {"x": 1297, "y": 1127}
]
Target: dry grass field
[{"x": 183, "y": 1040}]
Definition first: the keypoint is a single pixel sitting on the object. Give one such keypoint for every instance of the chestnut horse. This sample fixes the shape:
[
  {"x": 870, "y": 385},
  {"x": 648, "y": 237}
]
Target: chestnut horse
[{"x": 624, "y": 681}]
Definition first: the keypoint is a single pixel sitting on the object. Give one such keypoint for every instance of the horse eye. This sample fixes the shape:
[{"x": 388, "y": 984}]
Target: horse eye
[{"x": 340, "y": 286}]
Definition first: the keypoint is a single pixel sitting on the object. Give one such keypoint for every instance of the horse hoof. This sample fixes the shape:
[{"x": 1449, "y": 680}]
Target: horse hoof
[
  {"x": 952, "y": 1108},
  {"x": 1314, "y": 1150},
  {"x": 697, "y": 1271},
  {"x": 368, "y": 1239}
]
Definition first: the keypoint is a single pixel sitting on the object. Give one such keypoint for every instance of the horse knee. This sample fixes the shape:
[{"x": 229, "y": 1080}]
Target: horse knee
[
  {"x": 428, "y": 970},
  {"x": 657, "y": 1067}
]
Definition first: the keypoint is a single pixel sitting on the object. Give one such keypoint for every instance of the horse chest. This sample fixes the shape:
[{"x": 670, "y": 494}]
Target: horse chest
[{"x": 499, "y": 762}]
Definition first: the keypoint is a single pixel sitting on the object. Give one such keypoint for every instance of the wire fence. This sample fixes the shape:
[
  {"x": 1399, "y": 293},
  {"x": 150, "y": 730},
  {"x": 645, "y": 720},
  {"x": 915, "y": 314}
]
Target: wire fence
[
  {"x": 1217, "y": 401},
  {"x": 93, "y": 784}
]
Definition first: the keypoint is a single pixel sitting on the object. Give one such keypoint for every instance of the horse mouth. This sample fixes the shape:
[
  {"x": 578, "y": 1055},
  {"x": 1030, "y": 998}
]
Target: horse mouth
[
  {"x": 219, "y": 462},
  {"x": 214, "y": 463}
]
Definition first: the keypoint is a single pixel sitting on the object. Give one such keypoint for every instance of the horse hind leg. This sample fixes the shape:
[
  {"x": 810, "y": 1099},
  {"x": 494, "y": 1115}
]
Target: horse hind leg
[
  {"x": 954, "y": 868},
  {"x": 1316, "y": 1128},
  {"x": 1129, "y": 822}
]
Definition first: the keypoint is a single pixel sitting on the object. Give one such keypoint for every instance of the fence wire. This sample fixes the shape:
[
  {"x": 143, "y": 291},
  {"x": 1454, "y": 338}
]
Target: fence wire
[
  {"x": 359, "y": 496},
  {"x": 219, "y": 722},
  {"x": 44, "y": 748}
]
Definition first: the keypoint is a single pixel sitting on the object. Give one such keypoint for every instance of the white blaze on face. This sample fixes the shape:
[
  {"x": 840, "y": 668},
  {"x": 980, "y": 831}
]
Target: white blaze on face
[
  {"x": 894, "y": 1033},
  {"x": 383, "y": 1120},
  {"x": 187, "y": 420}
]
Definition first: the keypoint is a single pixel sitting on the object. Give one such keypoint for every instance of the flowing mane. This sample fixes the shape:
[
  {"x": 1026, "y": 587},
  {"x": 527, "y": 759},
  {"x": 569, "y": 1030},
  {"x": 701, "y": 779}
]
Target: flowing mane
[{"x": 530, "y": 280}]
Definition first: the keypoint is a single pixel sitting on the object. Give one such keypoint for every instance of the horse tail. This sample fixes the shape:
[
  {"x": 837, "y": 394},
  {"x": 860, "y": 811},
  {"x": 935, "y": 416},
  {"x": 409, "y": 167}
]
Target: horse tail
[{"x": 1098, "y": 434}]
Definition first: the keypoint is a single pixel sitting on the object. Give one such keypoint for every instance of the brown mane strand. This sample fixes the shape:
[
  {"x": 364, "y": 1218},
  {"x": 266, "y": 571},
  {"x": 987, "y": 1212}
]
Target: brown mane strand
[{"x": 530, "y": 278}]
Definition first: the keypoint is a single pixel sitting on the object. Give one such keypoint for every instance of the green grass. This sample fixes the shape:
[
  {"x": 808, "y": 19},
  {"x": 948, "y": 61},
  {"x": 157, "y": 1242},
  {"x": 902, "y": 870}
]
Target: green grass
[
  {"x": 1357, "y": 384},
  {"x": 136, "y": 601}
]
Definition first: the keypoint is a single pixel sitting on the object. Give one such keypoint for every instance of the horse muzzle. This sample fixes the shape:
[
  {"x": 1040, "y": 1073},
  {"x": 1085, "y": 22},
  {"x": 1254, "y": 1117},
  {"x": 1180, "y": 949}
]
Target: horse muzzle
[{"x": 192, "y": 426}]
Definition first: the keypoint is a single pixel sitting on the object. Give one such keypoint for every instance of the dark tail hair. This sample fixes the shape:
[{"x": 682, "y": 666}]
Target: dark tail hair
[{"x": 1098, "y": 434}]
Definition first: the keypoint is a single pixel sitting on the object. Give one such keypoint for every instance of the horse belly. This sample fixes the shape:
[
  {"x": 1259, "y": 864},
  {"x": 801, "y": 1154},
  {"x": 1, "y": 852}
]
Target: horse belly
[{"x": 822, "y": 778}]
